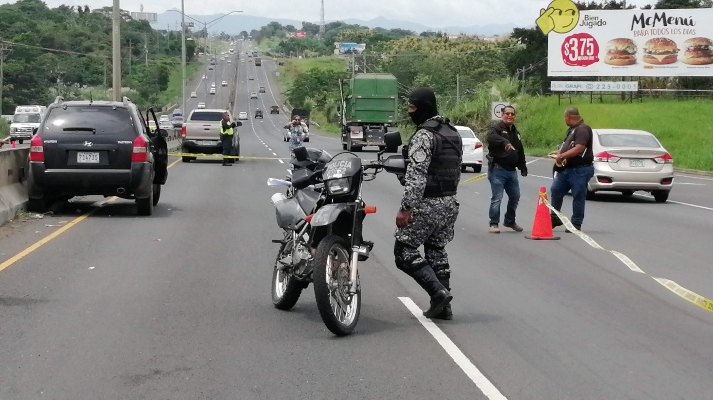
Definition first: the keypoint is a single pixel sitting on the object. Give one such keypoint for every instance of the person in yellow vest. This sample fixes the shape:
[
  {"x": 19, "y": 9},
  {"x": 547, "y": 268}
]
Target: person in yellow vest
[{"x": 226, "y": 138}]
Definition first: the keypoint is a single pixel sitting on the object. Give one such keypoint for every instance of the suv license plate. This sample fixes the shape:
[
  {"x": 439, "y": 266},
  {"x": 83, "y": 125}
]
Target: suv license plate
[
  {"x": 636, "y": 163},
  {"x": 88, "y": 158},
  {"x": 208, "y": 143}
]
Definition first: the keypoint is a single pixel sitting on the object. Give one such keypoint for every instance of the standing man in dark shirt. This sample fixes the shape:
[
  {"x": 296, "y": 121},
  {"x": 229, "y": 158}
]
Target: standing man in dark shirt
[
  {"x": 576, "y": 155},
  {"x": 505, "y": 154}
]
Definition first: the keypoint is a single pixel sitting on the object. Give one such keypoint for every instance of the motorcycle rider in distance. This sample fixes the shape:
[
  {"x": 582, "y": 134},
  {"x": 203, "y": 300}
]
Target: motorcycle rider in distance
[{"x": 296, "y": 131}]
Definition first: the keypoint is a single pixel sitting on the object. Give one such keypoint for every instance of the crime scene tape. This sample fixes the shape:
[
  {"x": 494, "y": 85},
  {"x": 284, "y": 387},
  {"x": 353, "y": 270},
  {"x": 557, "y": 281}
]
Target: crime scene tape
[
  {"x": 674, "y": 287},
  {"x": 177, "y": 154},
  {"x": 476, "y": 178}
]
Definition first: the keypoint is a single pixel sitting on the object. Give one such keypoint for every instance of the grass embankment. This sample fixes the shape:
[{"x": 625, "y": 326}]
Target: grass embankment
[
  {"x": 4, "y": 128},
  {"x": 293, "y": 67},
  {"x": 174, "y": 91}
]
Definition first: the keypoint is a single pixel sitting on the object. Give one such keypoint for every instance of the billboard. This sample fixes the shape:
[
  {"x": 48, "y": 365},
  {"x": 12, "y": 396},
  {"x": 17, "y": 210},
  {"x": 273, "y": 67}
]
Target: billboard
[
  {"x": 627, "y": 42},
  {"x": 299, "y": 34},
  {"x": 349, "y": 48},
  {"x": 143, "y": 16}
]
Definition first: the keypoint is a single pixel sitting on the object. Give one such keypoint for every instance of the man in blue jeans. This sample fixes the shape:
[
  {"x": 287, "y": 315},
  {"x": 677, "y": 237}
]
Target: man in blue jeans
[
  {"x": 505, "y": 155},
  {"x": 576, "y": 155}
]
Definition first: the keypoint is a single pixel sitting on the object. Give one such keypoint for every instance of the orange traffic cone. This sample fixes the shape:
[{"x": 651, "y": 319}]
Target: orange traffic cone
[{"x": 542, "y": 225}]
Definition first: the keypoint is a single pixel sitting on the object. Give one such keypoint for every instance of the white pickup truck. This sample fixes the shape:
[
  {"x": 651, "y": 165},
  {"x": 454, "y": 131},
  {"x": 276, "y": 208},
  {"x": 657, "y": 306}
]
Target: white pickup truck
[{"x": 200, "y": 133}]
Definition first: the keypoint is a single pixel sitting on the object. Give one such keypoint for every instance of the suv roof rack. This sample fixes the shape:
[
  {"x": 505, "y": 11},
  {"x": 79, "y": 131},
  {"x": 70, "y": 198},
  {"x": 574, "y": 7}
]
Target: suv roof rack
[{"x": 58, "y": 99}]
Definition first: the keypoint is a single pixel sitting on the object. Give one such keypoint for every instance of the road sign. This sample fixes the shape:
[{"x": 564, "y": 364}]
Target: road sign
[
  {"x": 594, "y": 86},
  {"x": 496, "y": 109}
]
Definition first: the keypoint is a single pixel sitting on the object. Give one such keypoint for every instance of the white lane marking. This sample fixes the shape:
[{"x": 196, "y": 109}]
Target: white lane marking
[
  {"x": 281, "y": 162},
  {"x": 485, "y": 386},
  {"x": 692, "y": 184},
  {"x": 694, "y": 177},
  {"x": 648, "y": 197},
  {"x": 677, "y": 202},
  {"x": 532, "y": 161},
  {"x": 274, "y": 154}
]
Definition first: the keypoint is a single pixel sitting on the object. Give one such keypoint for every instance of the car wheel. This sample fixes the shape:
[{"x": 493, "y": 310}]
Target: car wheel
[
  {"x": 661, "y": 196},
  {"x": 477, "y": 168},
  {"x": 463, "y": 168},
  {"x": 627, "y": 192},
  {"x": 20, "y": 141},
  {"x": 156, "y": 193},
  {"x": 36, "y": 205},
  {"x": 306, "y": 140},
  {"x": 145, "y": 206},
  {"x": 187, "y": 159}
]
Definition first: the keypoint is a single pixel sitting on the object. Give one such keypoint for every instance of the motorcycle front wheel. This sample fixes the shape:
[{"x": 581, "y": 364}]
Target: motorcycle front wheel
[
  {"x": 286, "y": 289},
  {"x": 332, "y": 267}
]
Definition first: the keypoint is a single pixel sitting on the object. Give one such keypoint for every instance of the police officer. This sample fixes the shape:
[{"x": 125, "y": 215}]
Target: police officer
[
  {"x": 429, "y": 208},
  {"x": 226, "y": 138}
]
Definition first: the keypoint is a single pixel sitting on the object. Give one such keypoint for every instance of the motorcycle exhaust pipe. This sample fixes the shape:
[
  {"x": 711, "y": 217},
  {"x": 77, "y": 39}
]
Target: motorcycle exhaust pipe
[{"x": 121, "y": 190}]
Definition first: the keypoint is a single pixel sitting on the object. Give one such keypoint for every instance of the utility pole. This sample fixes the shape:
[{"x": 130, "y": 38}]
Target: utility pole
[
  {"x": 183, "y": 55},
  {"x": 105, "y": 74},
  {"x": 146, "y": 48},
  {"x": 116, "y": 53},
  {"x": 3, "y": 51},
  {"x": 458, "y": 89}
]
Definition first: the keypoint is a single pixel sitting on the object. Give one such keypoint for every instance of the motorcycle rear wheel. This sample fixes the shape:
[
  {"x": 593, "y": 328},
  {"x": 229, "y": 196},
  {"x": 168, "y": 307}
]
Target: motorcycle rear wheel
[
  {"x": 286, "y": 289},
  {"x": 332, "y": 266}
]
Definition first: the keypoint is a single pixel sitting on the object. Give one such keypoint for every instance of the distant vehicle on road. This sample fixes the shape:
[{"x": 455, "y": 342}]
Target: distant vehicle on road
[
  {"x": 368, "y": 111},
  {"x": 25, "y": 121},
  {"x": 630, "y": 160},
  {"x": 262, "y": 89},
  {"x": 258, "y": 114},
  {"x": 224, "y": 83},
  {"x": 243, "y": 115},
  {"x": 212, "y": 90},
  {"x": 97, "y": 148},
  {"x": 251, "y": 78},
  {"x": 177, "y": 121},
  {"x": 253, "y": 95},
  {"x": 194, "y": 95},
  {"x": 472, "y": 149},
  {"x": 210, "y": 68},
  {"x": 201, "y": 133},
  {"x": 201, "y": 105},
  {"x": 274, "y": 110}
]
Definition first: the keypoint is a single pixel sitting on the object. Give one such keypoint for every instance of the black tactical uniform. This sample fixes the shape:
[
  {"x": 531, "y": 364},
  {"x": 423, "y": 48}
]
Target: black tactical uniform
[{"x": 431, "y": 182}]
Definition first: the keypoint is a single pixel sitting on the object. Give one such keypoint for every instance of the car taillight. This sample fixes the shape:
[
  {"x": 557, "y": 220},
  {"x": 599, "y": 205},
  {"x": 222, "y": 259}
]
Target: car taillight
[
  {"x": 37, "y": 150},
  {"x": 140, "y": 151},
  {"x": 606, "y": 157},
  {"x": 664, "y": 159},
  {"x": 478, "y": 145},
  {"x": 183, "y": 132}
]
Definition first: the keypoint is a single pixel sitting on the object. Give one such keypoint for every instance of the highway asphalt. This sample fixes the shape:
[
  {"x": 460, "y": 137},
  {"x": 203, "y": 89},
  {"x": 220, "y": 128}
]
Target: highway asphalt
[{"x": 177, "y": 305}]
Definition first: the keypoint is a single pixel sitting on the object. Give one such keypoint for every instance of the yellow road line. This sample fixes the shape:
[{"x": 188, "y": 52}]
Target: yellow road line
[{"x": 19, "y": 256}]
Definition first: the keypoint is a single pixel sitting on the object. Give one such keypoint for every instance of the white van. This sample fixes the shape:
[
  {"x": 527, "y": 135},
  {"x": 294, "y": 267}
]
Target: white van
[{"x": 25, "y": 120}]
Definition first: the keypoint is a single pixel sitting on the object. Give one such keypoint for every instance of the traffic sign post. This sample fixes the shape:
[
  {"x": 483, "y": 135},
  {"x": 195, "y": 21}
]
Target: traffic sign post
[{"x": 496, "y": 109}]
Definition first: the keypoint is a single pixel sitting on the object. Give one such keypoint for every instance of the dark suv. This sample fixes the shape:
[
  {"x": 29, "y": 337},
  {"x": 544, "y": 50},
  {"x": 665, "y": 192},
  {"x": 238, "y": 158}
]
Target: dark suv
[{"x": 97, "y": 148}]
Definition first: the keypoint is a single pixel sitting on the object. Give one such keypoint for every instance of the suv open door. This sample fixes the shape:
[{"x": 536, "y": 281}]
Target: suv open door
[{"x": 159, "y": 148}]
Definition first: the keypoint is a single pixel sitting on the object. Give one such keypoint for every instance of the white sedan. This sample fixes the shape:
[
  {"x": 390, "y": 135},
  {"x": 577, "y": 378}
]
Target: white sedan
[
  {"x": 194, "y": 95},
  {"x": 253, "y": 95},
  {"x": 224, "y": 83},
  {"x": 472, "y": 149},
  {"x": 212, "y": 90},
  {"x": 165, "y": 124},
  {"x": 201, "y": 105},
  {"x": 243, "y": 115}
]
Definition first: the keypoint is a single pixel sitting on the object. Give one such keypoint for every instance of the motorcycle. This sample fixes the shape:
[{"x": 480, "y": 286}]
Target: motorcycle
[{"x": 322, "y": 216}]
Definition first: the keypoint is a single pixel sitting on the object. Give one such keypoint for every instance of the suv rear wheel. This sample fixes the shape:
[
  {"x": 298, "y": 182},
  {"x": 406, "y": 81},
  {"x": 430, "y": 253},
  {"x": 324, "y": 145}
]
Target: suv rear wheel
[
  {"x": 145, "y": 206},
  {"x": 156, "y": 193},
  {"x": 36, "y": 205}
]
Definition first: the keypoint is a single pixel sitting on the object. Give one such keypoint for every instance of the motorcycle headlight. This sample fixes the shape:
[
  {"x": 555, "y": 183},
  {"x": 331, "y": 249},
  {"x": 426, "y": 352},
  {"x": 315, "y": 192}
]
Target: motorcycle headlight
[{"x": 338, "y": 186}]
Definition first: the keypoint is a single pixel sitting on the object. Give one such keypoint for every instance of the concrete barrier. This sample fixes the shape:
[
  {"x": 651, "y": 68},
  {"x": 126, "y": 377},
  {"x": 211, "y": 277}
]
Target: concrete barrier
[
  {"x": 13, "y": 195},
  {"x": 13, "y": 178}
]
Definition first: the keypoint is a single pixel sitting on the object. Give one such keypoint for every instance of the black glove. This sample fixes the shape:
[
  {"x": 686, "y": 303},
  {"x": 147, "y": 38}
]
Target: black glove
[
  {"x": 402, "y": 179},
  {"x": 523, "y": 171}
]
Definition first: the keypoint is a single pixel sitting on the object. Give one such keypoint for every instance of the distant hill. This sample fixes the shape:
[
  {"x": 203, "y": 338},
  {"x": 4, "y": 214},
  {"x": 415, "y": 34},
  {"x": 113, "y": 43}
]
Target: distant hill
[{"x": 234, "y": 24}]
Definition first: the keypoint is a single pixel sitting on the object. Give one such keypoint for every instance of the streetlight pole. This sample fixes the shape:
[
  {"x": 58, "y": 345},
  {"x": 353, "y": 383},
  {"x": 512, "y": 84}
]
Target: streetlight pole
[
  {"x": 183, "y": 55},
  {"x": 116, "y": 53}
]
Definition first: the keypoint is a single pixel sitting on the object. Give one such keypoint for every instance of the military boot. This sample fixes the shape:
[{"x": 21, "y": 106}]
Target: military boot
[
  {"x": 447, "y": 312},
  {"x": 440, "y": 296}
]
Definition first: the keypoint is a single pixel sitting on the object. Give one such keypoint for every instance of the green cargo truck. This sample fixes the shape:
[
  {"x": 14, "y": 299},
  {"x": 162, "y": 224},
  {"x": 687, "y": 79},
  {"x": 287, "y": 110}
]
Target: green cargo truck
[{"x": 368, "y": 110}]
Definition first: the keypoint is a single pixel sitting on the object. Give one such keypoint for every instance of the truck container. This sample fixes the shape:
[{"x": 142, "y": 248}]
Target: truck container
[
  {"x": 368, "y": 110},
  {"x": 258, "y": 61}
]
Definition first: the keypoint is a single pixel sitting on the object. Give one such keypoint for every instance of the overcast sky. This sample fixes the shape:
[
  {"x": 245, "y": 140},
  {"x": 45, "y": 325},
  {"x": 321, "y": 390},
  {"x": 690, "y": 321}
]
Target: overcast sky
[{"x": 434, "y": 13}]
